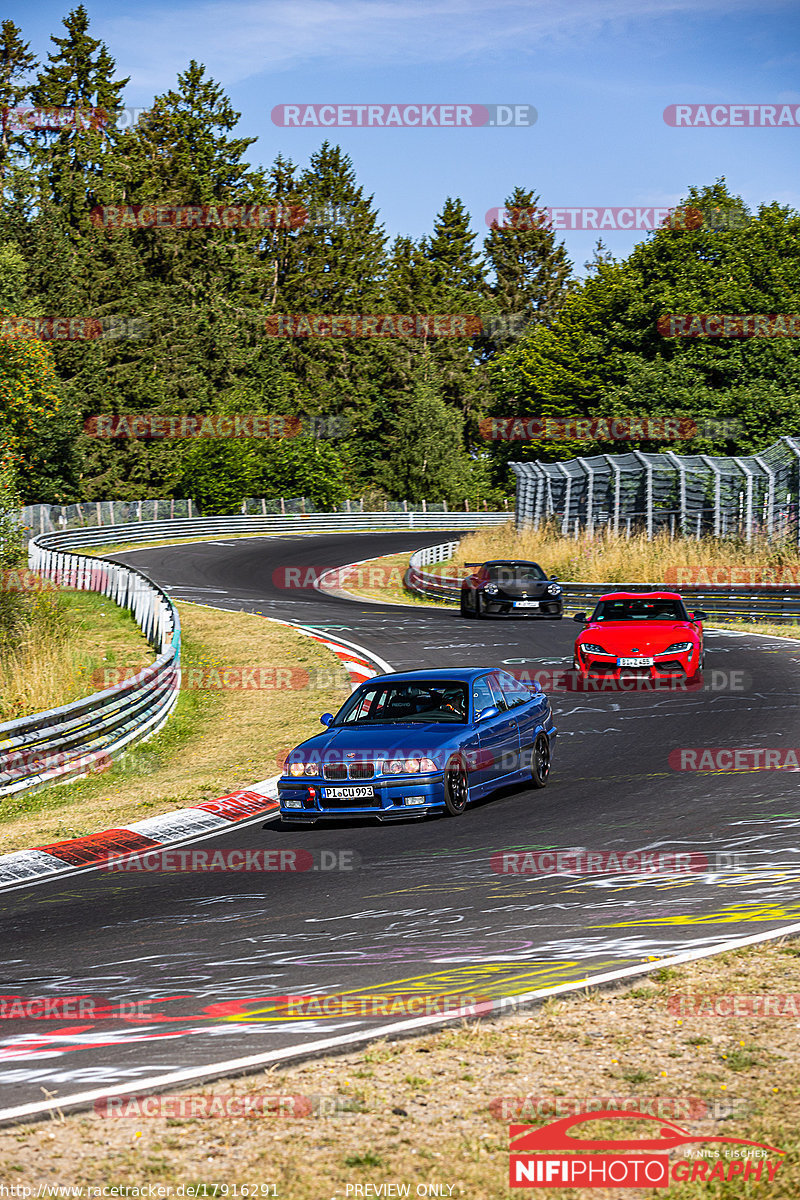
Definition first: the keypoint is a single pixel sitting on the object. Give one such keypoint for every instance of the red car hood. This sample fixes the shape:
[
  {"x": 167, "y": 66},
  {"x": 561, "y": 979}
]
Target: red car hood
[{"x": 648, "y": 637}]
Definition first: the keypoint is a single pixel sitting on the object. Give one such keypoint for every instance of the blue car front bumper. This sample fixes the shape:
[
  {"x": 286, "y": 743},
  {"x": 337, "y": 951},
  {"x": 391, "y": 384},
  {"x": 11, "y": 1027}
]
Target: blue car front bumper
[{"x": 411, "y": 795}]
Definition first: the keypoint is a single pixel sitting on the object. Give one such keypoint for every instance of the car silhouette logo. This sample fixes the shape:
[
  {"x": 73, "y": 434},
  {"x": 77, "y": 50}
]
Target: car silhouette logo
[
  {"x": 667, "y": 1135},
  {"x": 350, "y": 755}
]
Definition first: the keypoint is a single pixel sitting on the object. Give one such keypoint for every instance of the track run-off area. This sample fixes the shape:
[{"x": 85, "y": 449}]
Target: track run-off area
[{"x": 197, "y": 956}]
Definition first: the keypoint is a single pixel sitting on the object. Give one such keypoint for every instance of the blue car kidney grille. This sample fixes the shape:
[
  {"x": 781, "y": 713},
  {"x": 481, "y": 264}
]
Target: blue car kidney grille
[{"x": 355, "y": 770}]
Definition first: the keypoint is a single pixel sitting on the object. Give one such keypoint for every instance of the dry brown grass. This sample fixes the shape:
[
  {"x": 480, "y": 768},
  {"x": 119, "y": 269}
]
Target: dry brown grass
[
  {"x": 606, "y": 558},
  {"x": 418, "y": 1112},
  {"x": 67, "y": 637},
  {"x": 217, "y": 741}
]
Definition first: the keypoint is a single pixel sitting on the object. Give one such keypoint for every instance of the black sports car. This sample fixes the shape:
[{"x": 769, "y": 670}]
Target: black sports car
[{"x": 511, "y": 586}]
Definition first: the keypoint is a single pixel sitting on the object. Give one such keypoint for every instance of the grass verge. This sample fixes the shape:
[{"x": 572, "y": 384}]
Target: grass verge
[
  {"x": 420, "y": 1111},
  {"x": 64, "y": 645},
  {"x": 223, "y": 735}
]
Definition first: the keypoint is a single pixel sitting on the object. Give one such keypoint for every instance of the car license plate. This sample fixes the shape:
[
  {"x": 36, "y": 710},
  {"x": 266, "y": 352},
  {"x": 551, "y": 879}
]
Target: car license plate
[
  {"x": 359, "y": 792},
  {"x": 634, "y": 662},
  {"x": 526, "y": 604}
]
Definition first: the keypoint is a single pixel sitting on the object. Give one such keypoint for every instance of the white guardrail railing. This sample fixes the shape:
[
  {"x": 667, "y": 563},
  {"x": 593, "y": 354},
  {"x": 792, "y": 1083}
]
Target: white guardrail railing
[
  {"x": 777, "y": 604},
  {"x": 87, "y": 734},
  {"x": 297, "y": 523},
  {"x": 75, "y": 739}
]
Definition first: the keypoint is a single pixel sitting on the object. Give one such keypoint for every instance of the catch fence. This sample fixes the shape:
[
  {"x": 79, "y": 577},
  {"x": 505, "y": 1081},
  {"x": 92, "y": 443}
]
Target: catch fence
[{"x": 686, "y": 495}]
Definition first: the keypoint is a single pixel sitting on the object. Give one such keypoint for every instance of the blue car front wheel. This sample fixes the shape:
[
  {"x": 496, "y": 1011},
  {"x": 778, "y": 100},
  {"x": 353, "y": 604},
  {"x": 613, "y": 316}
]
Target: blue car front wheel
[{"x": 456, "y": 787}]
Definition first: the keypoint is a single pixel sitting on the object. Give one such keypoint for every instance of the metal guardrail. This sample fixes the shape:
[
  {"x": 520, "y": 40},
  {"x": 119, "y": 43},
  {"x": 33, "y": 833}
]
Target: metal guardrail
[
  {"x": 754, "y": 604},
  {"x": 85, "y": 735},
  {"x": 55, "y": 518},
  {"x": 298, "y": 524}
]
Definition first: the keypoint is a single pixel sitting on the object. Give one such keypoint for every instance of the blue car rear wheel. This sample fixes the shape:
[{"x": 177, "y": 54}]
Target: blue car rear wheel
[{"x": 540, "y": 761}]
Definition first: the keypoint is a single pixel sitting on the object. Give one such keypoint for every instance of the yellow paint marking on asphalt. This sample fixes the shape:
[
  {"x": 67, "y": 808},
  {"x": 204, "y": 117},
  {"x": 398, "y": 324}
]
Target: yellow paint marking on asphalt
[
  {"x": 741, "y": 912},
  {"x": 468, "y": 981}
]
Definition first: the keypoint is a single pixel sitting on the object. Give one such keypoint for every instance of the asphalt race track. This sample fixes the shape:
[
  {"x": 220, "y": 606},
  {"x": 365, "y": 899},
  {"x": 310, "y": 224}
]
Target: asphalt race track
[{"x": 423, "y": 912}]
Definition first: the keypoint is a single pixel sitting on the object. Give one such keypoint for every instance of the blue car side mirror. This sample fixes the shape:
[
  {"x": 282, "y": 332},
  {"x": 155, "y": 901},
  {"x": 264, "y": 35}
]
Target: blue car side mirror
[
  {"x": 486, "y": 713},
  {"x": 326, "y": 719}
]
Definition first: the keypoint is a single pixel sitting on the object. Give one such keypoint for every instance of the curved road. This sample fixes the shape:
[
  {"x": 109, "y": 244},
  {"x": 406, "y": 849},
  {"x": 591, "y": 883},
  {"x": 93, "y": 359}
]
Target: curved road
[{"x": 423, "y": 912}]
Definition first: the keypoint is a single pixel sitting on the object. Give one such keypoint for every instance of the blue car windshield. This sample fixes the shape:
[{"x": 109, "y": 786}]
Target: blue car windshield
[{"x": 406, "y": 703}]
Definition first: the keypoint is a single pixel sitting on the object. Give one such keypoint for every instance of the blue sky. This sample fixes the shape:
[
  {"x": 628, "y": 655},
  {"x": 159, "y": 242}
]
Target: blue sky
[{"x": 599, "y": 72}]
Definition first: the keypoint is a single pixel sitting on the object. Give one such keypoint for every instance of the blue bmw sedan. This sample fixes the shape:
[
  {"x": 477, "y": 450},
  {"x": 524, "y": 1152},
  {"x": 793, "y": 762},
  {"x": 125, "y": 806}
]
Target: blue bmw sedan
[{"x": 420, "y": 742}]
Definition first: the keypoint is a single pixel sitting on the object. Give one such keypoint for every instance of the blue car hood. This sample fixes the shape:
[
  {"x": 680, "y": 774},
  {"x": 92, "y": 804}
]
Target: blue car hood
[{"x": 386, "y": 741}]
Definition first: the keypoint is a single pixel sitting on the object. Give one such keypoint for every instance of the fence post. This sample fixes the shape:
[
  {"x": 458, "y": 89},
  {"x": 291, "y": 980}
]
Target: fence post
[{"x": 649, "y": 492}]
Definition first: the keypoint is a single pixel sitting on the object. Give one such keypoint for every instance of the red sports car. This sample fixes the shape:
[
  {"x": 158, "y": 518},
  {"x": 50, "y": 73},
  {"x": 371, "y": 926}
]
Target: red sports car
[{"x": 649, "y": 634}]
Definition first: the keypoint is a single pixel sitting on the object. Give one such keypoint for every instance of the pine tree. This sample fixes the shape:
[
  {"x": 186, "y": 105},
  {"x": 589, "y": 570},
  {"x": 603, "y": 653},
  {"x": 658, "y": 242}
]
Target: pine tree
[
  {"x": 71, "y": 160},
  {"x": 458, "y": 285},
  {"x": 531, "y": 269},
  {"x": 335, "y": 263},
  {"x": 16, "y": 62}
]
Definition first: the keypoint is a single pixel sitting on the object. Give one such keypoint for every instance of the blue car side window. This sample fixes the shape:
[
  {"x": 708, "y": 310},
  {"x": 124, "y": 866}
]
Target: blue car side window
[{"x": 481, "y": 695}]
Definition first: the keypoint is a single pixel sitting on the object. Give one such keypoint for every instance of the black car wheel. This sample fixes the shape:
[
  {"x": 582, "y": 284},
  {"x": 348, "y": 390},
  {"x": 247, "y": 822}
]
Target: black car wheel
[
  {"x": 456, "y": 787},
  {"x": 479, "y": 609},
  {"x": 466, "y": 611},
  {"x": 540, "y": 761}
]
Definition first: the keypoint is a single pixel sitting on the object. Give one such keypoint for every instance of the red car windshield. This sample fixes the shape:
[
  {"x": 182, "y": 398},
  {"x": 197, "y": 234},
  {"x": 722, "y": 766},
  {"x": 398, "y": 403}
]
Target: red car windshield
[{"x": 640, "y": 610}]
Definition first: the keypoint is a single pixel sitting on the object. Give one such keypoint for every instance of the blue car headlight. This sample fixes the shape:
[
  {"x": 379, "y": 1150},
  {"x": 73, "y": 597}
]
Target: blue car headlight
[
  {"x": 554, "y": 589},
  {"x": 408, "y": 766},
  {"x": 297, "y": 769}
]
